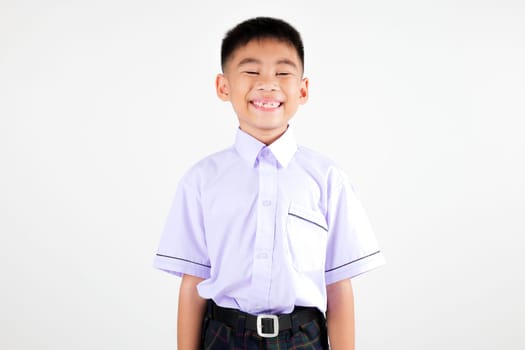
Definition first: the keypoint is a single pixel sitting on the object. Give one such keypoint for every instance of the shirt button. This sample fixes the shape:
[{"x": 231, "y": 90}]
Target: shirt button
[
  {"x": 262, "y": 256},
  {"x": 267, "y": 203}
]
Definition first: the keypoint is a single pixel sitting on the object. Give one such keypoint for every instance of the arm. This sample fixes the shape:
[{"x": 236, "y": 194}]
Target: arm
[
  {"x": 340, "y": 315},
  {"x": 190, "y": 315}
]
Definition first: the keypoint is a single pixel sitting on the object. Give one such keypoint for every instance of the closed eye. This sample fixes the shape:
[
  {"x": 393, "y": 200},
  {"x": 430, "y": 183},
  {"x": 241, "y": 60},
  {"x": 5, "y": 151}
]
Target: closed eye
[
  {"x": 251, "y": 72},
  {"x": 283, "y": 74}
]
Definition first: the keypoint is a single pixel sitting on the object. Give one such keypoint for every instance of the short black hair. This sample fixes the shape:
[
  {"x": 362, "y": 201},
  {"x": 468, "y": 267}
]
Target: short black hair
[{"x": 260, "y": 28}]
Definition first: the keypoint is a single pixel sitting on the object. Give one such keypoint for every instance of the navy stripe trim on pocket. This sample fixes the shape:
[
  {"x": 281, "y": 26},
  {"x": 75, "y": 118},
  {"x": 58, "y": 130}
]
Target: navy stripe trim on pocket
[{"x": 310, "y": 221}]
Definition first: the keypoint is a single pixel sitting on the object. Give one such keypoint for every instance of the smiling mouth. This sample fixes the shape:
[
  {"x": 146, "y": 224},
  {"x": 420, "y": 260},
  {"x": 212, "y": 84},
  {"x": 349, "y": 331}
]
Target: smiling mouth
[{"x": 266, "y": 105}]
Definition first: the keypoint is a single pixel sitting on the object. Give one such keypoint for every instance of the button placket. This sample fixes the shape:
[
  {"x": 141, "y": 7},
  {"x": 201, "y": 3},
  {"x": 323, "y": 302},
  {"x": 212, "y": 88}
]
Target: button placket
[{"x": 266, "y": 216}]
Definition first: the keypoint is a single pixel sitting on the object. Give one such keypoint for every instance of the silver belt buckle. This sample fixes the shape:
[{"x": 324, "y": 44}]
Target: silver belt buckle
[{"x": 260, "y": 330}]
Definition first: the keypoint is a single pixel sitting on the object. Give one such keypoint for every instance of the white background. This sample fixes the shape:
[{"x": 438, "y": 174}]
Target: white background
[{"x": 104, "y": 105}]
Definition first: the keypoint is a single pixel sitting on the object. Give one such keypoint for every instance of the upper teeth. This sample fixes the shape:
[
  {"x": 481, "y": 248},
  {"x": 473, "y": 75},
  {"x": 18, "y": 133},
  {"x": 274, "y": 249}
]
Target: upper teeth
[{"x": 266, "y": 104}]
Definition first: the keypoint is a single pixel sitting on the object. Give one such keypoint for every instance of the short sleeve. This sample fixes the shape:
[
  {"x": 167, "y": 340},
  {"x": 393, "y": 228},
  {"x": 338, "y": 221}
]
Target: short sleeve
[
  {"x": 182, "y": 248},
  {"x": 352, "y": 246}
]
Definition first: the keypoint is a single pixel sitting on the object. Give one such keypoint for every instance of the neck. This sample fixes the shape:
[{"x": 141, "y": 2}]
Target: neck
[{"x": 266, "y": 137}]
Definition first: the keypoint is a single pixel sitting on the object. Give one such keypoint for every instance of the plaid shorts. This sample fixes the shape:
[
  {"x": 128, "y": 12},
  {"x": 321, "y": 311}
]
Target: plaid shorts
[{"x": 219, "y": 336}]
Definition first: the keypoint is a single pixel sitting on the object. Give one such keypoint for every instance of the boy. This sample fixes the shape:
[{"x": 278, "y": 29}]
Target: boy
[{"x": 265, "y": 234}]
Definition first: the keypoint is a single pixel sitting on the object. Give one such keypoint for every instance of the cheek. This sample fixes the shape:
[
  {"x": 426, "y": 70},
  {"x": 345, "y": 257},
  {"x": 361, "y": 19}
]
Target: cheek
[
  {"x": 241, "y": 89},
  {"x": 292, "y": 88},
  {"x": 294, "y": 96}
]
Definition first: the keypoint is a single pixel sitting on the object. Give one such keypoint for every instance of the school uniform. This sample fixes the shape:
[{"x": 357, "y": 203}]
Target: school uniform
[{"x": 267, "y": 228}]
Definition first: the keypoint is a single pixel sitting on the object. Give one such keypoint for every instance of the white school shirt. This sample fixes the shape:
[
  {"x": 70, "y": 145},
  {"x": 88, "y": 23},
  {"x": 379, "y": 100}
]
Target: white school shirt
[{"x": 267, "y": 227}]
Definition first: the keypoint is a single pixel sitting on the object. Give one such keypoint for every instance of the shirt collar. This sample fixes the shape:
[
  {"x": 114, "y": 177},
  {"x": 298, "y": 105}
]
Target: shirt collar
[{"x": 249, "y": 147}]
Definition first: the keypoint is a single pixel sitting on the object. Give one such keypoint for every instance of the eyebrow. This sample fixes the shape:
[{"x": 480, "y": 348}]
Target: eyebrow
[
  {"x": 287, "y": 62},
  {"x": 250, "y": 60}
]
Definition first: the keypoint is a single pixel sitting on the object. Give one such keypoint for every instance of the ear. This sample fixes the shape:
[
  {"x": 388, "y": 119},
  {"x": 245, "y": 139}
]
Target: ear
[
  {"x": 304, "y": 91},
  {"x": 222, "y": 88}
]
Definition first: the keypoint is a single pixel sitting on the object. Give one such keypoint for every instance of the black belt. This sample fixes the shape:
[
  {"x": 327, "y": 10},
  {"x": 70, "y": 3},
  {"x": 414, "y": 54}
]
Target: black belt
[{"x": 266, "y": 325}]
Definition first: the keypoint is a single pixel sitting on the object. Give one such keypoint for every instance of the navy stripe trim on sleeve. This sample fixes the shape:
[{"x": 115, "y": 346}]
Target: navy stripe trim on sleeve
[
  {"x": 192, "y": 262},
  {"x": 351, "y": 262}
]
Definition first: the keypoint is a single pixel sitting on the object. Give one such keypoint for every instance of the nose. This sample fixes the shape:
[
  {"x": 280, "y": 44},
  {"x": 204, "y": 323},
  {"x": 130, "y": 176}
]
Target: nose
[{"x": 267, "y": 82}]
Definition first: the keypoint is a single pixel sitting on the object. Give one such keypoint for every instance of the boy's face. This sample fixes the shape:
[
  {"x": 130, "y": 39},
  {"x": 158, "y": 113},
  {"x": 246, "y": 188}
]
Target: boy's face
[{"x": 263, "y": 81}]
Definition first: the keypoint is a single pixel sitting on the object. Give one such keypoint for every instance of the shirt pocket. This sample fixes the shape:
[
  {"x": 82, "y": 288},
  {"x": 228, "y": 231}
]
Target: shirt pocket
[{"x": 307, "y": 235}]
